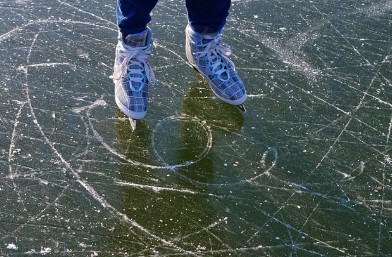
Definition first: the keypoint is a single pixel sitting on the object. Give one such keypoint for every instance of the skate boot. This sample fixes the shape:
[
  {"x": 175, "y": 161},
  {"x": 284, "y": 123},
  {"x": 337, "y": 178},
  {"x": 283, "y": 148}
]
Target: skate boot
[
  {"x": 133, "y": 74},
  {"x": 209, "y": 56}
]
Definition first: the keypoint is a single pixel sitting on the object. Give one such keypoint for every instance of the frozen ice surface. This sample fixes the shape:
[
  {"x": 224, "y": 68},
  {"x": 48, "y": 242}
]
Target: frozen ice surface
[{"x": 306, "y": 171}]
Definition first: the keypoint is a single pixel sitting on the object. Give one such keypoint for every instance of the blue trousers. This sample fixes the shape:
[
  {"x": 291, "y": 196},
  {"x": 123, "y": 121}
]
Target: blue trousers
[{"x": 204, "y": 16}]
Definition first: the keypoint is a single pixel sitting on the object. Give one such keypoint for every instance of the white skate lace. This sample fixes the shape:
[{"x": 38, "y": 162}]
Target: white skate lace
[
  {"x": 134, "y": 63},
  {"x": 217, "y": 54}
]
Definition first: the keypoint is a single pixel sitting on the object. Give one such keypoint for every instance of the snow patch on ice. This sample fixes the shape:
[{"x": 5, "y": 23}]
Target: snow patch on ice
[{"x": 12, "y": 247}]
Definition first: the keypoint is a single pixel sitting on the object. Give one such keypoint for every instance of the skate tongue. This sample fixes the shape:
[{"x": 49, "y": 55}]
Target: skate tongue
[
  {"x": 137, "y": 40},
  {"x": 222, "y": 67},
  {"x": 208, "y": 37}
]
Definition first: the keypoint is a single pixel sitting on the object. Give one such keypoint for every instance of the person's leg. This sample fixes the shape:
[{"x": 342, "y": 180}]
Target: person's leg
[
  {"x": 207, "y": 16},
  {"x": 133, "y": 15},
  {"x": 132, "y": 72},
  {"x": 208, "y": 54}
]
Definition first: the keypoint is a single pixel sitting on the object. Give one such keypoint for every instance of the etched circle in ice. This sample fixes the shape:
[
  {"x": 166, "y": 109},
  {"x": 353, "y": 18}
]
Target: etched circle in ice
[{"x": 181, "y": 140}]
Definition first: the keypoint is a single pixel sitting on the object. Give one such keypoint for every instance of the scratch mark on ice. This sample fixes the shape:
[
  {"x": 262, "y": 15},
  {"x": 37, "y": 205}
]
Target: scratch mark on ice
[{"x": 389, "y": 130}]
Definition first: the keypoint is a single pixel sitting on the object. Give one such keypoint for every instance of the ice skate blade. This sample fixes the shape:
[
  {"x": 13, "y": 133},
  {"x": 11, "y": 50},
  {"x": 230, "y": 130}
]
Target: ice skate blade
[
  {"x": 241, "y": 107},
  {"x": 133, "y": 123}
]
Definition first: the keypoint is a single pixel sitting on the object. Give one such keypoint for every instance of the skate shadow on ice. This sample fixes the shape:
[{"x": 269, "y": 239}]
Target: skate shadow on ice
[
  {"x": 166, "y": 201},
  {"x": 178, "y": 194}
]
